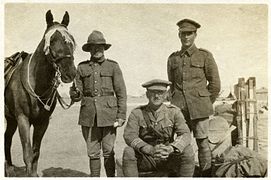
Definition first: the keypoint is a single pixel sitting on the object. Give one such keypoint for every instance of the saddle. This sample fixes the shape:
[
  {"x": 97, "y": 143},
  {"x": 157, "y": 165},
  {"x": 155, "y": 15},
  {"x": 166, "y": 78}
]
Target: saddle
[{"x": 11, "y": 63}]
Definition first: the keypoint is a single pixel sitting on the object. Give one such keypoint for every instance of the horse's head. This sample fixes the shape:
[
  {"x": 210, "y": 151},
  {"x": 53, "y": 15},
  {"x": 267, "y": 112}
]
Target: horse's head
[{"x": 59, "y": 47}]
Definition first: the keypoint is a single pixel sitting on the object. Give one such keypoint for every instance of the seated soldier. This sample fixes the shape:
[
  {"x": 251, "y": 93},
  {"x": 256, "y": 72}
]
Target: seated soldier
[{"x": 158, "y": 137}]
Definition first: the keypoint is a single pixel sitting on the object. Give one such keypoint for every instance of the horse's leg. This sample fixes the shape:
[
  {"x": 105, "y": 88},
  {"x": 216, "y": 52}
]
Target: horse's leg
[
  {"x": 39, "y": 131},
  {"x": 10, "y": 130},
  {"x": 24, "y": 131}
]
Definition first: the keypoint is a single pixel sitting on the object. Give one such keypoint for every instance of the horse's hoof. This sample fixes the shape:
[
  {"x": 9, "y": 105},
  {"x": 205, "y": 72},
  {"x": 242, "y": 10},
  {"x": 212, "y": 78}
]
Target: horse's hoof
[{"x": 9, "y": 171}]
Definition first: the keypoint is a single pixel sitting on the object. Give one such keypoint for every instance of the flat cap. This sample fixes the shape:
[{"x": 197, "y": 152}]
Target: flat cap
[
  {"x": 156, "y": 84},
  {"x": 188, "y": 25}
]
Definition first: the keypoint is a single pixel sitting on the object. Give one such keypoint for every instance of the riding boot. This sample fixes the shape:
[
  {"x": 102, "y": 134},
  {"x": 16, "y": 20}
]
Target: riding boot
[
  {"x": 109, "y": 165},
  {"x": 205, "y": 157},
  {"x": 95, "y": 167}
]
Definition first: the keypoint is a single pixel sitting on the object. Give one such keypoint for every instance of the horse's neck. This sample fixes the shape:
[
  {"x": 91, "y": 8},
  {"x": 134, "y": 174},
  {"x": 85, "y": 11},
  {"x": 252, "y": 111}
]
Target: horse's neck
[{"x": 41, "y": 72}]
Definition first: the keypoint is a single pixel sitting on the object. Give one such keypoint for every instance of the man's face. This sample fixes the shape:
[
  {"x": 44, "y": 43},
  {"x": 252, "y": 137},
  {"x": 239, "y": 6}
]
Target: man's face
[
  {"x": 97, "y": 51},
  {"x": 187, "y": 38},
  {"x": 156, "y": 97}
]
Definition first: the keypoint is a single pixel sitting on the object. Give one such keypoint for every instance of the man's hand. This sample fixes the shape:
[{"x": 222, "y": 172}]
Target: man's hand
[
  {"x": 162, "y": 151},
  {"x": 119, "y": 122},
  {"x": 147, "y": 149},
  {"x": 74, "y": 92}
]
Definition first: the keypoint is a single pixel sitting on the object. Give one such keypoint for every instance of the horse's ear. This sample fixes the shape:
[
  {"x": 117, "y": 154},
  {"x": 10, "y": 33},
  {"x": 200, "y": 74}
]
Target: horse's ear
[
  {"x": 66, "y": 19},
  {"x": 49, "y": 18}
]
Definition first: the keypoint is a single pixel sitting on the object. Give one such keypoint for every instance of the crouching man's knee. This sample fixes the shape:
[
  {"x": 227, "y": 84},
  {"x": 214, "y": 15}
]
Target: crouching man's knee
[
  {"x": 187, "y": 162},
  {"x": 182, "y": 164},
  {"x": 129, "y": 162},
  {"x": 129, "y": 154}
]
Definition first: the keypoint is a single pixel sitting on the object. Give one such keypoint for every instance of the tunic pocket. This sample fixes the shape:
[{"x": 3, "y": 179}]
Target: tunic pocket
[
  {"x": 204, "y": 93},
  {"x": 197, "y": 67},
  {"x": 112, "y": 103},
  {"x": 167, "y": 127},
  {"x": 107, "y": 78},
  {"x": 86, "y": 74}
]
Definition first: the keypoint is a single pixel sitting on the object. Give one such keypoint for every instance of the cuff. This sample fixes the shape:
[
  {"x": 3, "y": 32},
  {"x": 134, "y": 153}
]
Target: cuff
[
  {"x": 121, "y": 116},
  {"x": 178, "y": 147},
  {"x": 137, "y": 144}
]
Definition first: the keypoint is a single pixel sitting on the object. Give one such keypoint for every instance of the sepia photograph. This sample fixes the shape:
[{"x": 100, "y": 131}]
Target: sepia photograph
[{"x": 135, "y": 89}]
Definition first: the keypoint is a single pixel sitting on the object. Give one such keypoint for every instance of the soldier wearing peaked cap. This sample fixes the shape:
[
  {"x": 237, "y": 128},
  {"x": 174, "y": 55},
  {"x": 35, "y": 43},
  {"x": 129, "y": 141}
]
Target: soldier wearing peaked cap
[
  {"x": 150, "y": 132},
  {"x": 195, "y": 86},
  {"x": 100, "y": 87}
]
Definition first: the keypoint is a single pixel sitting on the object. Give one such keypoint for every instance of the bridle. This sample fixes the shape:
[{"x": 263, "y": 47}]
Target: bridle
[{"x": 55, "y": 83}]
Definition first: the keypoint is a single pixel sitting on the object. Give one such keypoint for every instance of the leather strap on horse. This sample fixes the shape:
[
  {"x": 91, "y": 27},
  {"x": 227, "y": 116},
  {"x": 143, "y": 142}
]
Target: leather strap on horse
[{"x": 63, "y": 104}]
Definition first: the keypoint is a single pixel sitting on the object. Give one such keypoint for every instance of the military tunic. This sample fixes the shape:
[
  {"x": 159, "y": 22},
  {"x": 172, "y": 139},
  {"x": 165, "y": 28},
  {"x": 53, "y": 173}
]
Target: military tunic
[
  {"x": 189, "y": 71},
  {"x": 168, "y": 120},
  {"x": 103, "y": 92}
]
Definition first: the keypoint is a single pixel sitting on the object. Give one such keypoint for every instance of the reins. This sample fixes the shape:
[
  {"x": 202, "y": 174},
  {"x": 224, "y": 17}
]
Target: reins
[{"x": 54, "y": 93}]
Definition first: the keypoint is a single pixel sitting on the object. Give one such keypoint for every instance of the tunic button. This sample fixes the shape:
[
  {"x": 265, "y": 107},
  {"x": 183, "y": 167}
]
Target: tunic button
[
  {"x": 95, "y": 72},
  {"x": 96, "y": 90},
  {"x": 95, "y": 81},
  {"x": 95, "y": 100}
]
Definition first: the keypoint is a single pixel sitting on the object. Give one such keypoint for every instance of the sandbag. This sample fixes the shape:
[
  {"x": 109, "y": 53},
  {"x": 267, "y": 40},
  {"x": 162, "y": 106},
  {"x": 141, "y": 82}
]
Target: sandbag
[{"x": 240, "y": 161}]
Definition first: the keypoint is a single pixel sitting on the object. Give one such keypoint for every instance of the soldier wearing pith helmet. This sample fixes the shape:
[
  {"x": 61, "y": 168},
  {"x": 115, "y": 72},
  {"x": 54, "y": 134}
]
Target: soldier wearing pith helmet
[
  {"x": 100, "y": 87},
  {"x": 195, "y": 87},
  {"x": 150, "y": 133}
]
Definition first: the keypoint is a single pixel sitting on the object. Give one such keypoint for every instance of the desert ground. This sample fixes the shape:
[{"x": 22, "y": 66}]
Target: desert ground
[{"x": 63, "y": 150}]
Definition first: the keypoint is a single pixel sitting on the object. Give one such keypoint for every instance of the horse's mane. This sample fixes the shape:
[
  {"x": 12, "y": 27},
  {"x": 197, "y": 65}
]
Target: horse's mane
[{"x": 64, "y": 32}]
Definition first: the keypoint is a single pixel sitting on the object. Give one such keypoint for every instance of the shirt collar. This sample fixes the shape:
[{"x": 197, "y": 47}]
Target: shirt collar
[{"x": 190, "y": 50}]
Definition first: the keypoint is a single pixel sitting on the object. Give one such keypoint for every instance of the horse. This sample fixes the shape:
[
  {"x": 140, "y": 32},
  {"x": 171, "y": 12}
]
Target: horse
[{"x": 31, "y": 93}]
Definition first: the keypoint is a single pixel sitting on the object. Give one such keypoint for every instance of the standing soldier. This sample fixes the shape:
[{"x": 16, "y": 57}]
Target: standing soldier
[
  {"x": 157, "y": 136},
  {"x": 189, "y": 70},
  {"x": 101, "y": 89}
]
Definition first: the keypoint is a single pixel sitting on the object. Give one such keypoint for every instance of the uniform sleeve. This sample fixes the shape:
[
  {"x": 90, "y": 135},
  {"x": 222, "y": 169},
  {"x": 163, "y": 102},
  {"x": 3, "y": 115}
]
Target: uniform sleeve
[
  {"x": 212, "y": 76},
  {"x": 169, "y": 73},
  {"x": 120, "y": 91},
  {"x": 183, "y": 133},
  {"x": 131, "y": 133},
  {"x": 79, "y": 83}
]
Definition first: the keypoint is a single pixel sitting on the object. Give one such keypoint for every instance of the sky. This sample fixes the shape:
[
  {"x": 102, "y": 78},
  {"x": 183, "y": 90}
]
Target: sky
[{"x": 144, "y": 35}]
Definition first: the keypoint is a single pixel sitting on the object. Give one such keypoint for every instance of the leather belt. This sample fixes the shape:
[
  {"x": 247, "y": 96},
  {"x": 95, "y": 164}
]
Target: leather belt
[{"x": 94, "y": 94}]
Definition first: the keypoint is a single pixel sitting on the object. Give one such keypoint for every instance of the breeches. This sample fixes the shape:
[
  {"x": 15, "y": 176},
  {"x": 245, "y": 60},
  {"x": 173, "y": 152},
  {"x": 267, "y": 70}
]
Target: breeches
[
  {"x": 98, "y": 138},
  {"x": 200, "y": 127},
  {"x": 177, "y": 164}
]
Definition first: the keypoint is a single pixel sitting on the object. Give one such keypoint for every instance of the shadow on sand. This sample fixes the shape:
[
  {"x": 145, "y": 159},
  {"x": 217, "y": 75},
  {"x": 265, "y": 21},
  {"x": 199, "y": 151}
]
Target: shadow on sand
[
  {"x": 60, "y": 172},
  {"x": 15, "y": 171}
]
